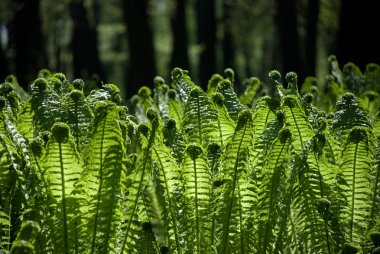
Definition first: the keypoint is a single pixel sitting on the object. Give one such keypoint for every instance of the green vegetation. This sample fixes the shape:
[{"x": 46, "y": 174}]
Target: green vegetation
[{"x": 182, "y": 170}]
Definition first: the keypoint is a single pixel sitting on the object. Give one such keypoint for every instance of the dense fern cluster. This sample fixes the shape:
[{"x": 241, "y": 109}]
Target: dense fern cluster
[{"x": 182, "y": 170}]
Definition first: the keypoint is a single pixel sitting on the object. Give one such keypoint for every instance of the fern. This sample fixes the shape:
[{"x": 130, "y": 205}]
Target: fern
[
  {"x": 296, "y": 122},
  {"x": 101, "y": 180},
  {"x": 272, "y": 189},
  {"x": 356, "y": 172},
  {"x": 200, "y": 118},
  {"x": 229, "y": 210},
  {"x": 62, "y": 169}
]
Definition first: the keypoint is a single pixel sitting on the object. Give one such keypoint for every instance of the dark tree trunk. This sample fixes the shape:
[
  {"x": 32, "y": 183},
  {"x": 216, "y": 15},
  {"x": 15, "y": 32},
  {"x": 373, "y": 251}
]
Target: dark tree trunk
[
  {"x": 286, "y": 20},
  {"x": 358, "y": 39},
  {"x": 311, "y": 37},
  {"x": 142, "y": 67},
  {"x": 27, "y": 40},
  {"x": 228, "y": 43},
  {"x": 207, "y": 38},
  {"x": 4, "y": 67},
  {"x": 180, "y": 56},
  {"x": 84, "y": 43}
]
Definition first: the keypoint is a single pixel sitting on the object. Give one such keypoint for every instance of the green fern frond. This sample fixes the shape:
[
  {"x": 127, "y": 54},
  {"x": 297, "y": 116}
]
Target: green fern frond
[
  {"x": 175, "y": 108},
  {"x": 182, "y": 83},
  {"x": 230, "y": 213},
  {"x": 356, "y": 172},
  {"x": 63, "y": 168},
  {"x": 213, "y": 84},
  {"x": 101, "y": 180},
  {"x": 146, "y": 243},
  {"x": 226, "y": 125},
  {"x": 197, "y": 184},
  {"x": 136, "y": 183},
  {"x": 297, "y": 122},
  {"x": 372, "y": 77},
  {"x": 26, "y": 237},
  {"x": 272, "y": 190},
  {"x": 375, "y": 206},
  {"x": 174, "y": 140},
  {"x": 161, "y": 97},
  {"x": 348, "y": 114},
  {"x": 335, "y": 70},
  {"x": 168, "y": 181},
  {"x": 370, "y": 102},
  {"x": 353, "y": 78},
  {"x": 247, "y": 98},
  {"x": 5, "y": 224},
  {"x": 312, "y": 198},
  {"x": 200, "y": 118},
  {"x": 231, "y": 101},
  {"x": 264, "y": 112},
  {"x": 78, "y": 115}
]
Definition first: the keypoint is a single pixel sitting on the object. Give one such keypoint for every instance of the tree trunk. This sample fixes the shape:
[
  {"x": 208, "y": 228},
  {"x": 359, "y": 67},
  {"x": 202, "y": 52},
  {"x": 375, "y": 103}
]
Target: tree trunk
[
  {"x": 84, "y": 43},
  {"x": 142, "y": 67},
  {"x": 27, "y": 40},
  {"x": 358, "y": 39},
  {"x": 286, "y": 20},
  {"x": 311, "y": 37},
  {"x": 180, "y": 56},
  {"x": 207, "y": 39},
  {"x": 4, "y": 67},
  {"x": 228, "y": 43}
]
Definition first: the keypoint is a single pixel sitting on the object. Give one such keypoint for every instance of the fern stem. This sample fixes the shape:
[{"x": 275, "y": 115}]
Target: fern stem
[
  {"x": 332, "y": 151},
  {"x": 199, "y": 120},
  {"x": 196, "y": 202},
  {"x": 76, "y": 125},
  {"x": 229, "y": 209},
  {"x": 353, "y": 193},
  {"x": 173, "y": 216},
  {"x": 99, "y": 189},
  {"x": 321, "y": 190},
  {"x": 269, "y": 221},
  {"x": 150, "y": 144},
  {"x": 65, "y": 237},
  {"x": 242, "y": 249},
  {"x": 298, "y": 129},
  {"x": 374, "y": 205}
]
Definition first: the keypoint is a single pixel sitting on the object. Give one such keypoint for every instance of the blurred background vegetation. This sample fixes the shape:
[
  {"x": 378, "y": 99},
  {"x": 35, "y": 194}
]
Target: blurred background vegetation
[{"x": 129, "y": 42}]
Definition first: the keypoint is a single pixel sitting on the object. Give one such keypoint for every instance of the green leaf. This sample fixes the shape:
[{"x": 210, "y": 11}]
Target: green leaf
[
  {"x": 356, "y": 172},
  {"x": 78, "y": 115},
  {"x": 231, "y": 101},
  {"x": 271, "y": 193},
  {"x": 169, "y": 187},
  {"x": 297, "y": 122},
  {"x": 63, "y": 168},
  {"x": 312, "y": 198},
  {"x": 100, "y": 182},
  {"x": 26, "y": 238},
  {"x": 232, "y": 209},
  {"x": 134, "y": 209},
  {"x": 226, "y": 125},
  {"x": 197, "y": 182},
  {"x": 182, "y": 83},
  {"x": 200, "y": 118},
  {"x": 348, "y": 114}
]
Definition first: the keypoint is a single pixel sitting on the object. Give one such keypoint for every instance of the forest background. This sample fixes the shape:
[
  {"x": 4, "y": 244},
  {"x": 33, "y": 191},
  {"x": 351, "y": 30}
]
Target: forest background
[{"x": 129, "y": 42}]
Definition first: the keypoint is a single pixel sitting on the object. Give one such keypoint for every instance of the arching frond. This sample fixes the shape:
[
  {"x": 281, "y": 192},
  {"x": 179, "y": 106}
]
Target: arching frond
[
  {"x": 356, "y": 173},
  {"x": 200, "y": 118},
  {"x": 197, "y": 184},
  {"x": 297, "y": 122},
  {"x": 271, "y": 193},
  {"x": 100, "y": 182},
  {"x": 230, "y": 213}
]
